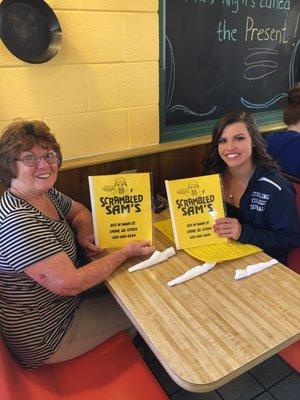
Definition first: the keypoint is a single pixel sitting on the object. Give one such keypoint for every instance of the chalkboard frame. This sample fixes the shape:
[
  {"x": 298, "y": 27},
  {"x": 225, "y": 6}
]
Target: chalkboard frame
[{"x": 267, "y": 121}]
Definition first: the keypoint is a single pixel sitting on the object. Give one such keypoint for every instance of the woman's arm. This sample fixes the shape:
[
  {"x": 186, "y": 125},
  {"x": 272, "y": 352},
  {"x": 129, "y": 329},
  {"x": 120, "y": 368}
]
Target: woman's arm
[
  {"x": 276, "y": 240},
  {"x": 279, "y": 232},
  {"x": 58, "y": 274},
  {"x": 80, "y": 218}
]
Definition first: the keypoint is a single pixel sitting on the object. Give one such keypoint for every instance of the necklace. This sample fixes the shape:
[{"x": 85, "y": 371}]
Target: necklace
[{"x": 233, "y": 193}]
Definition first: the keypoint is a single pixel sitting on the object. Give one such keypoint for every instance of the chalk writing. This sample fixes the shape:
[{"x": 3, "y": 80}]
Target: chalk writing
[{"x": 223, "y": 54}]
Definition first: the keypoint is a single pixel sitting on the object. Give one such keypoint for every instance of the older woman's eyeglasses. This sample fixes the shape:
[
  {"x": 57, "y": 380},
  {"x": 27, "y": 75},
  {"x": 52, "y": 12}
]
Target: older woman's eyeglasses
[{"x": 31, "y": 160}]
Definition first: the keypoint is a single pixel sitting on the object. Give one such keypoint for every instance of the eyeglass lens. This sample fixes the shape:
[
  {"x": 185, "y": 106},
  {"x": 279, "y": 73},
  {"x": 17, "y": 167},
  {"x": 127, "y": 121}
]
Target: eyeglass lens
[{"x": 33, "y": 159}]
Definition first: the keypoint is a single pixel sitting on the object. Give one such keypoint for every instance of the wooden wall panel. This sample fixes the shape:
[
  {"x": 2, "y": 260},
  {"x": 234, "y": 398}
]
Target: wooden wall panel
[
  {"x": 181, "y": 163},
  {"x": 74, "y": 182}
]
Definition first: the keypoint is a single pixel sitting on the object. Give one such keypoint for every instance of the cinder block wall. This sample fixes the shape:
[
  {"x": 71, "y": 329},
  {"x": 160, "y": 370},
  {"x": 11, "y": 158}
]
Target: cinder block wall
[{"x": 100, "y": 92}]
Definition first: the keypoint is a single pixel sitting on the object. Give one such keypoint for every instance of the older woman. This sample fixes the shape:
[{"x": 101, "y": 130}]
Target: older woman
[
  {"x": 261, "y": 206},
  {"x": 284, "y": 146},
  {"x": 43, "y": 317}
]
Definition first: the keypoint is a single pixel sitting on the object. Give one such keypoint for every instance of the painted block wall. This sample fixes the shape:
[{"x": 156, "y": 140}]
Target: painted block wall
[{"x": 100, "y": 92}]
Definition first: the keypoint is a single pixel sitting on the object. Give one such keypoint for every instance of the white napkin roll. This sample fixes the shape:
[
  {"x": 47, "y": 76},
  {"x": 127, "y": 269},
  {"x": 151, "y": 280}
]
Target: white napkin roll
[
  {"x": 169, "y": 252},
  {"x": 253, "y": 269},
  {"x": 192, "y": 273},
  {"x": 157, "y": 257}
]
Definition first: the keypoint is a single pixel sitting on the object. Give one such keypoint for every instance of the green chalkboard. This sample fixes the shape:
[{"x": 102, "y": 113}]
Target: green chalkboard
[{"x": 218, "y": 55}]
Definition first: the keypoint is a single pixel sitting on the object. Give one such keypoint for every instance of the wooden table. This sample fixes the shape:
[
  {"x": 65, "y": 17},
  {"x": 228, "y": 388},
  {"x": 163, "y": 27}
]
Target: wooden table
[{"x": 209, "y": 330}]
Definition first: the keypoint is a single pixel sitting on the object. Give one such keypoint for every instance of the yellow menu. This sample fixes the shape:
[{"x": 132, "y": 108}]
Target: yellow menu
[
  {"x": 195, "y": 204},
  {"x": 213, "y": 252},
  {"x": 121, "y": 207}
]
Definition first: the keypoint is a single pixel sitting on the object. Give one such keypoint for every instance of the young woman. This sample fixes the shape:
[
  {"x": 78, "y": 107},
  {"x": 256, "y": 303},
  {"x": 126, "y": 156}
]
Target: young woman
[{"x": 260, "y": 203}]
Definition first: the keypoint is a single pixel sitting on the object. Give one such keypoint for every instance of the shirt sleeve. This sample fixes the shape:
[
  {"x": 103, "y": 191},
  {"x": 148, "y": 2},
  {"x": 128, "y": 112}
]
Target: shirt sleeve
[
  {"x": 26, "y": 239},
  {"x": 62, "y": 202},
  {"x": 281, "y": 231}
]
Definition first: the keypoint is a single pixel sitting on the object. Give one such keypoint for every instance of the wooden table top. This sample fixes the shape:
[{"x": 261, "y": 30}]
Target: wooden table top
[{"x": 209, "y": 330}]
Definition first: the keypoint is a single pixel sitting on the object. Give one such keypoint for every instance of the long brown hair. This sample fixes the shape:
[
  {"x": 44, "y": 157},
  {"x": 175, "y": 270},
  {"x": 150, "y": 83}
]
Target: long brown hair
[{"x": 213, "y": 163}]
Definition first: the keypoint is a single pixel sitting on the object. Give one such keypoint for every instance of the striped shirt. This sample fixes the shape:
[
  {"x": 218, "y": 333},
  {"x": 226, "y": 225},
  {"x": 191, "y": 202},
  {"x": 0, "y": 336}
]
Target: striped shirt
[{"x": 33, "y": 320}]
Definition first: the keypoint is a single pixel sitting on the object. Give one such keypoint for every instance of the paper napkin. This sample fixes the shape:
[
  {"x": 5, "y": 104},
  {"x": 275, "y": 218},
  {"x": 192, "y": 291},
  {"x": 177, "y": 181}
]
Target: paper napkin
[
  {"x": 253, "y": 269},
  {"x": 192, "y": 273},
  {"x": 157, "y": 257}
]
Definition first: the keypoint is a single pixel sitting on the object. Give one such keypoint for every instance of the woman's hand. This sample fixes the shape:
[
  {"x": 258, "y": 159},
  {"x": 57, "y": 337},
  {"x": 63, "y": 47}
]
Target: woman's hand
[
  {"x": 88, "y": 245},
  {"x": 136, "y": 249},
  {"x": 228, "y": 227}
]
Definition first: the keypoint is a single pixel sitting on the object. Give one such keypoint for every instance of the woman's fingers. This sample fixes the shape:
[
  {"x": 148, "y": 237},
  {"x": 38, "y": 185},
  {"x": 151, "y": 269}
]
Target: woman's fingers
[
  {"x": 228, "y": 227},
  {"x": 141, "y": 248}
]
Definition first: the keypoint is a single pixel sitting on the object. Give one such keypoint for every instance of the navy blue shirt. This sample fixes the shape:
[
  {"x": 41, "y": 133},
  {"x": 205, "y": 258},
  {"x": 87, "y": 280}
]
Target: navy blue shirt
[
  {"x": 284, "y": 147},
  {"x": 268, "y": 214}
]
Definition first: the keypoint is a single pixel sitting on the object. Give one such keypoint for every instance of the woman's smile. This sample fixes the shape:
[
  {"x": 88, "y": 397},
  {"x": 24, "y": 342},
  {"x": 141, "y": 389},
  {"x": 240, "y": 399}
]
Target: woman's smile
[
  {"x": 44, "y": 175},
  {"x": 36, "y": 179},
  {"x": 235, "y": 145},
  {"x": 234, "y": 155}
]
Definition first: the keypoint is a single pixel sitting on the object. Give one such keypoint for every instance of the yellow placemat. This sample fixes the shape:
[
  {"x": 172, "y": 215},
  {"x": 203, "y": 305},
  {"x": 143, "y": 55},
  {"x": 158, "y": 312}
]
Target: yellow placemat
[{"x": 215, "y": 252}]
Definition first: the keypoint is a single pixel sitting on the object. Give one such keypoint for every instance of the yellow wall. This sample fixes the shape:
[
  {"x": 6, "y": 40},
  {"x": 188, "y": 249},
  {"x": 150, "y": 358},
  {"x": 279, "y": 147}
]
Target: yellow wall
[{"x": 100, "y": 92}]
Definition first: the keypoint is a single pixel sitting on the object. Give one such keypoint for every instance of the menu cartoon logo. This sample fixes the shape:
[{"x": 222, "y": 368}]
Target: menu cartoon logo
[
  {"x": 195, "y": 201},
  {"x": 192, "y": 189},
  {"x": 119, "y": 187},
  {"x": 120, "y": 201}
]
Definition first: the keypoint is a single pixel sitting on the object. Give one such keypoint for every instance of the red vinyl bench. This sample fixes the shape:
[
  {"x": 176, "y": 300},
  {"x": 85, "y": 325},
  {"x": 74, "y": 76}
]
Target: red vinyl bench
[
  {"x": 292, "y": 353},
  {"x": 294, "y": 255},
  {"x": 112, "y": 371},
  {"x": 294, "y": 260}
]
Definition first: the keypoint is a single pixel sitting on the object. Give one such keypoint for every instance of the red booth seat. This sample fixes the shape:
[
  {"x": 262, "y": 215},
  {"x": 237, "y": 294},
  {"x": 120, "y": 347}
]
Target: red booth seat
[
  {"x": 112, "y": 371},
  {"x": 294, "y": 255},
  {"x": 292, "y": 353},
  {"x": 294, "y": 260}
]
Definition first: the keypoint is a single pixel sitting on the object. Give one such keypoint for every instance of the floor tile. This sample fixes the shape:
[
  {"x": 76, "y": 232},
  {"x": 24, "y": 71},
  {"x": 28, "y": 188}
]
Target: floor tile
[
  {"x": 245, "y": 387},
  {"x": 162, "y": 376},
  {"x": 274, "y": 374},
  {"x": 184, "y": 395},
  {"x": 288, "y": 388},
  {"x": 271, "y": 371},
  {"x": 264, "y": 396}
]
